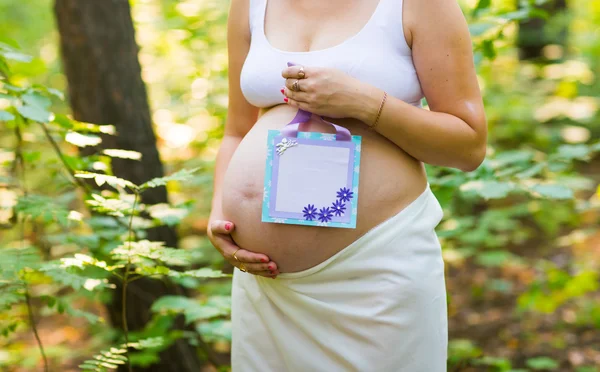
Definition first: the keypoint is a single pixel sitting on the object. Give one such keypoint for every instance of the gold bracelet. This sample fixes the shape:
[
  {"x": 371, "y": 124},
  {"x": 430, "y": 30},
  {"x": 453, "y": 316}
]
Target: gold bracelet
[{"x": 379, "y": 111}]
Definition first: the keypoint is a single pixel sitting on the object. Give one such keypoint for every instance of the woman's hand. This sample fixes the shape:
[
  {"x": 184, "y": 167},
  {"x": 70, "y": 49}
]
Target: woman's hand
[
  {"x": 323, "y": 91},
  {"x": 219, "y": 234}
]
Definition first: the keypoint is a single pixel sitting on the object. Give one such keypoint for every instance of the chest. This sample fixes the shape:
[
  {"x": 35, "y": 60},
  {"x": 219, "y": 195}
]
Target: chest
[{"x": 309, "y": 25}]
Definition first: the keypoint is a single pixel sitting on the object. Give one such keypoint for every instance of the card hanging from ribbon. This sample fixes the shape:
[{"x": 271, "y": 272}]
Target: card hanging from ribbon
[{"x": 311, "y": 178}]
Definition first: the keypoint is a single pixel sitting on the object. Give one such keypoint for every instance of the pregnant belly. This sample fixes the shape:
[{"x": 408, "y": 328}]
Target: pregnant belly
[{"x": 390, "y": 179}]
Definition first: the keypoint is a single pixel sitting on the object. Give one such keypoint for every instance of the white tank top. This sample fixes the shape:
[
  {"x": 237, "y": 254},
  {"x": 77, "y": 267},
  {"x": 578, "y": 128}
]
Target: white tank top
[{"x": 378, "y": 54}]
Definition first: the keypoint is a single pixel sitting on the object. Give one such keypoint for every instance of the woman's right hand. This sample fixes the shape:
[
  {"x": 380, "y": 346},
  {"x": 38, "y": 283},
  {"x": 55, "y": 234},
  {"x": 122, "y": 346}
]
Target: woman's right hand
[{"x": 219, "y": 234}]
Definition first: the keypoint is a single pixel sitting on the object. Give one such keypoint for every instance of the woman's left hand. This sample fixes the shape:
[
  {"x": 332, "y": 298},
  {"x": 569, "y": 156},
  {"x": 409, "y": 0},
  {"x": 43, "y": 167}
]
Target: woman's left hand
[{"x": 323, "y": 91}]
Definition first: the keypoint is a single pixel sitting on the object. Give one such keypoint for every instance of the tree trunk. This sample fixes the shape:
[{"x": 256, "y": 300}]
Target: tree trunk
[
  {"x": 100, "y": 59},
  {"x": 537, "y": 33}
]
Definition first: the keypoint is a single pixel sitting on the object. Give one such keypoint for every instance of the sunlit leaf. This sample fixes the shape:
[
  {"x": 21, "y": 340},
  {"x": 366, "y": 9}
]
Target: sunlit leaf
[
  {"x": 82, "y": 140},
  {"x": 181, "y": 175},
  {"x": 192, "y": 309},
  {"x": 123, "y": 154},
  {"x": 36, "y": 99},
  {"x": 553, "y": 191},
  {"x": 101, "y": 179},
  {"x": 34, "y": 113},
  {"x": 6, "y": 116},
  {"x": 481, "y": 5},
  {"x": 542, "y": 363}
]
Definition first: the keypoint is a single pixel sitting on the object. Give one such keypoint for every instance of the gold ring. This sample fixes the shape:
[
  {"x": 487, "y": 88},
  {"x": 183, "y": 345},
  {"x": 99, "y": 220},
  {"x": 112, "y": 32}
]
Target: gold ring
[
  {"x": 242, "y": 267},
  {"x": 295, "y": 86},
  {"x": 234, "y": 256},
  {"x": 301, "y": 72}
]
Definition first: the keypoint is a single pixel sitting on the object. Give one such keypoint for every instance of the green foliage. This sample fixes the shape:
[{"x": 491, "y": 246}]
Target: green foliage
[
  {"x": 107, "y": 253},
  {"x": 511, "y": 214},
  {"x": 542, "y": 363}
]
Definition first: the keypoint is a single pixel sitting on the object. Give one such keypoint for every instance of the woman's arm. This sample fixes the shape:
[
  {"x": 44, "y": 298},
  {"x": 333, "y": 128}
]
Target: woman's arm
[
  {"x": 454, "y": 132},
  {"x": 241, "y": 116}
]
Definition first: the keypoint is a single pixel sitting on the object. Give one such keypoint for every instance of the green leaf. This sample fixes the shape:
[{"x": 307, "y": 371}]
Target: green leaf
[
  {"x": 552, "y": 191},
  {"x": 15, "y": 259},
  {"x": 101, "y": 179},
  {"x": 570, "y": 152},
  {"x": 488, "y": 49},
  {"x": 493, "y": 258},
  {"x": 181, "y": 175},
  {"x": 123, "y": 154},
  {"x": 82, "y": 140},
  {"x": 34, "y": 113},
  {"x": 6, "y": 116},
  {"x": 478, "y": 29},
  {"x": 481, "y": 5},
  {"x": 541, "y": 363},
  {"x": 191, "y": 309},
  {"x": 66, "y": 122},
  {"x": 153, "y": 250},
  {"x": 33, "y": 98},
  {"x": 166, "y": 214},
  {"x": 13, "y": 88},
  {"x": 532, "y": 171},
  {"x": 112, "y": 207},
  {"x": 200, "y": 273},
  {"x": 489, "y": 189},
  {"x": 16, "y": 56},
  {"x": 215, "y": 330},
  {"x": 42, "y": 207}
]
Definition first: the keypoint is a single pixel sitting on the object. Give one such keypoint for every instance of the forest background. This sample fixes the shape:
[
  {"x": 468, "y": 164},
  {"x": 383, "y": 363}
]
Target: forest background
[{"x": 104, "y": 262}]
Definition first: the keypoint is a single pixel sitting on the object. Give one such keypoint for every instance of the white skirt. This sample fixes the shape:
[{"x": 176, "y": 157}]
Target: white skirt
[{"x": 377, "y": 305}]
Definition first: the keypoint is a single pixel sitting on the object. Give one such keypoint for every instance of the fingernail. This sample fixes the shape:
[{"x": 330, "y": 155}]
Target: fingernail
[
  {"x": 227, "y": 226},
  {"x": 285, "y": 99},
  {"x": 263, "y": 260},
  {"x": 282, "y": 90},
  {"x": 270, "y": 267}
]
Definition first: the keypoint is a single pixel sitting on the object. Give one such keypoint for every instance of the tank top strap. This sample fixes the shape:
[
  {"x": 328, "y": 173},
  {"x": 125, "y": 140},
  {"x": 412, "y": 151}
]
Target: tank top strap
[
  {"x": 256, "y": 15},
  {"x": 391, "y": 21}
]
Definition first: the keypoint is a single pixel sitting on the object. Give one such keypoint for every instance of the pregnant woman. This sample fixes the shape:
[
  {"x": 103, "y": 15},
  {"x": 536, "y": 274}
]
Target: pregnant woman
[{"x": 372, "y": 298}]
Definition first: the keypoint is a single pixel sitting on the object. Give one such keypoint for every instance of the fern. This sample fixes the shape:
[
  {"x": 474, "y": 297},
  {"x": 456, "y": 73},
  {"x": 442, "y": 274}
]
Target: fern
[
  {"x": 181, "y": 175},
  {"x": 111, "y": 359},
  {"x": 43, "y": 208},
  {"x": 155, "y": 251},
  {"x": 191, "y": 309},
  {"x": 101, "y": 179}
]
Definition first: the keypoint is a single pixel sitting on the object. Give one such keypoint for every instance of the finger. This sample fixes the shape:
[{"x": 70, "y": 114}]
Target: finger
[
  {"x": 292, "y": 72},
  {"x": 266, "y": 274},
  {"x": 221, "y": 227},
  {"x": 244, "y": 255},
  {"x": 296, "y": 96},
  {"x": 259, "y": 267},
  {"x": 302, "y": 85},
  {"x": 301, "y": 105}
]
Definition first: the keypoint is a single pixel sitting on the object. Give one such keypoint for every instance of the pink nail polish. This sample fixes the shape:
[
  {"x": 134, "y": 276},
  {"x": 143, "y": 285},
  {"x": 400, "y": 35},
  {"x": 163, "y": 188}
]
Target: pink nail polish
[
  {"x": 270, "y": 267},
  {"x": 282, "y": 91},
  {"x": 263, "y": 260},
  {"x": 285, "y": 99},
  {"x": 227, "y": 226}
]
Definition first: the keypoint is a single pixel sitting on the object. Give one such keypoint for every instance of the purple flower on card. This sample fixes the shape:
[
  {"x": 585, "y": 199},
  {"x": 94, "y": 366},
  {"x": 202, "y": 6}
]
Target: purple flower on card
[
  {"x": 344, "y": 194},
  {"x": 325, "y": 214},
  {"x": 310, "y": 212},
  {"x": 338, "y": 207}
]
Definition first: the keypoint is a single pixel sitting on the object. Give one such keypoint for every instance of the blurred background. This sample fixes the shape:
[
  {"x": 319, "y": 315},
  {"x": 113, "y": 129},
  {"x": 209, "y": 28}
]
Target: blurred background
[{"x": 521, "y": 234}]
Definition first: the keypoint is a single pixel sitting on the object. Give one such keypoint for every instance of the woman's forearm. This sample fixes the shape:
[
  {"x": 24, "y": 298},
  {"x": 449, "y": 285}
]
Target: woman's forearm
[
  {"x": 228, "y": 146},
  {"x": 435, "y": 138}
]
